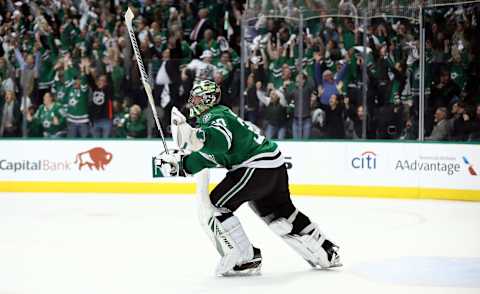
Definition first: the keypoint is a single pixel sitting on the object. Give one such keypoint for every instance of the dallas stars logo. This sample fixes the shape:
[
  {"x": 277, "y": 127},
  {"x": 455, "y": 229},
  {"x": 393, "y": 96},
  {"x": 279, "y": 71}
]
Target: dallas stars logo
[
  {"x": 60, "y": 95},
  {"x": 46, "y": 124},
  {"x": 72, "y": 102}
]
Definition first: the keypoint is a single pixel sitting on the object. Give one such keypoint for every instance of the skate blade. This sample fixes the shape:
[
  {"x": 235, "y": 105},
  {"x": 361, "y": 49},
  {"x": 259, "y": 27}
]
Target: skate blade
[
  {"x": 335, "y": 263},
  {"x": 319, "y": 268},
  {"x": 243, "y": 273}
]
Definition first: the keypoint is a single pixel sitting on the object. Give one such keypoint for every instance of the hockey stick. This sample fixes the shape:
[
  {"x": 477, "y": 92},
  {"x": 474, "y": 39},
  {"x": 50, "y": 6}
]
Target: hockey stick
[{"x": 145, "y": 80}]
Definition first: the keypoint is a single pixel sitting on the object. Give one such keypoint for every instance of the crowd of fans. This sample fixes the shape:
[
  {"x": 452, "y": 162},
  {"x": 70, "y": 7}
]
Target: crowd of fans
[
  {"x": 331, "y": 78},
  {"x": 67, "y": 69}
]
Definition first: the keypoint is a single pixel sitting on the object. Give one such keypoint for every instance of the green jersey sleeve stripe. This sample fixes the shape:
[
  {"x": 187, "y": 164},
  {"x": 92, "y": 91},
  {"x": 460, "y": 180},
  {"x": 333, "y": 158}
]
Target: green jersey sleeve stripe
[
  {"x": 227, "y": 131},
  {"x": 224, "y": 128},
  {"x": 225, "y": 134}
]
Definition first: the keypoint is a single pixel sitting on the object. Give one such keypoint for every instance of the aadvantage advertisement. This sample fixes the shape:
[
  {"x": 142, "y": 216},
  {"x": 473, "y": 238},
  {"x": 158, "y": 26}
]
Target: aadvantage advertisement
[{"x": 406, "y": 170}]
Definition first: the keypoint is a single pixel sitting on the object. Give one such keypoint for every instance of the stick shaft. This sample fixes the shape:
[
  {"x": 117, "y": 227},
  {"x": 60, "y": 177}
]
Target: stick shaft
[{"x": 144, "y": 75}]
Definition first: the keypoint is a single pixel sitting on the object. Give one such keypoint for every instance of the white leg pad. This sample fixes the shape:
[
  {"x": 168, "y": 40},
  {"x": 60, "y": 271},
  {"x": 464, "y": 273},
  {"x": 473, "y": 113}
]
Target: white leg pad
[
  {"x": 228, "y": 236},
  {"x": 309, "y": 246},
  {"x": 232, "y": 243},
  {"x": 281, "y": 226}
]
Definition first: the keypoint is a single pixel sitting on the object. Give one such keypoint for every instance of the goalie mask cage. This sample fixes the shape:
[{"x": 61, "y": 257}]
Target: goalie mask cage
[{"x": 308, "y": 15}]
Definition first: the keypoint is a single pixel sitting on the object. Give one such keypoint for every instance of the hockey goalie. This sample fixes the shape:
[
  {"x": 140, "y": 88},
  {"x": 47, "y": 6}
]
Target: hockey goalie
[{"x": 256, "y": 174}]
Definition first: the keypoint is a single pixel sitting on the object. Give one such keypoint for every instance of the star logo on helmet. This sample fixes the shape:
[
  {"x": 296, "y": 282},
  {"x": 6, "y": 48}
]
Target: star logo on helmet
[{"x": 206, "y": 117}]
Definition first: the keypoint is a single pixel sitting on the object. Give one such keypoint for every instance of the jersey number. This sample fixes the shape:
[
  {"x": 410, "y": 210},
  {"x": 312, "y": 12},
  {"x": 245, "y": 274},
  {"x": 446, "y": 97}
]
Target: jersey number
[{"x": 259, "y": 139}]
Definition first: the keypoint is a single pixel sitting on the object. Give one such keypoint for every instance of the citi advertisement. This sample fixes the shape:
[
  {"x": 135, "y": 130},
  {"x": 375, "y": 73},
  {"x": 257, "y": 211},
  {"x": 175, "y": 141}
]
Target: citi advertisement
[{"x": 366, "y": 160}]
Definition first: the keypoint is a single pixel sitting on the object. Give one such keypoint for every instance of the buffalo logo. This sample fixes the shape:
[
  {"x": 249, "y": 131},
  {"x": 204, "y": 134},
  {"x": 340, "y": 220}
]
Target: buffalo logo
[{"x": 96, "y": 157}]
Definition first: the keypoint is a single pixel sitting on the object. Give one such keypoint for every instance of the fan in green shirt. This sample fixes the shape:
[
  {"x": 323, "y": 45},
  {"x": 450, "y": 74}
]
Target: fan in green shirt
[
  {"x": 77, "y": 94},
  {"x": 458, "y": 68},
  {"x": 135, "y": 125},
  {"x": 209, "y": 43},
  {"x": 49, "y": 58},
  {"x": 224, "y": 65},
  {"x": 50, "y": 117},
  {"x": 120, "y": 114},
  {"x": 59, "y": 90},
  {"x": 276, "y": 68}
]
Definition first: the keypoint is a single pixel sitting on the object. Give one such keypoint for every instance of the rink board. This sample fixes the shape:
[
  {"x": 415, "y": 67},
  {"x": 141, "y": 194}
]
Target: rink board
[{"x": 366, "y": 169}]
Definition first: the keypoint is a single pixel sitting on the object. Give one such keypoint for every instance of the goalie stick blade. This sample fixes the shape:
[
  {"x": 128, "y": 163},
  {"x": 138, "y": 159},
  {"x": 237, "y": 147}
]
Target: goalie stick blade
[
  {"x": 129, "y": 15},
  {"x": 136, "y": 50}
]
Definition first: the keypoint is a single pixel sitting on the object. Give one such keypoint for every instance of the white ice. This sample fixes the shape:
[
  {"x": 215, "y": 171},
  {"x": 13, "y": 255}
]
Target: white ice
[{"x": 116, "y": 244}]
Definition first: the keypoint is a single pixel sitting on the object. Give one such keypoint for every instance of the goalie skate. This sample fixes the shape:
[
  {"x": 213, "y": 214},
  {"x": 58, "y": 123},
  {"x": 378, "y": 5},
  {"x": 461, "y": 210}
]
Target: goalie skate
[
  {"x": 319, "y": 252},
  {"x": 249, "y": 268},
  {"x": 332, "y": 256},
  {"x": 311, "y": 244}
]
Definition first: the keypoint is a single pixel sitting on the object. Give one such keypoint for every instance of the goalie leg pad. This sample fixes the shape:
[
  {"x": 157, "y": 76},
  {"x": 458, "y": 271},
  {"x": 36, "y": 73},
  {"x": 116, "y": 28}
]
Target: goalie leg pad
[
  {"x": 310, "y": 243},
  {"x": 231, "y": 242}
]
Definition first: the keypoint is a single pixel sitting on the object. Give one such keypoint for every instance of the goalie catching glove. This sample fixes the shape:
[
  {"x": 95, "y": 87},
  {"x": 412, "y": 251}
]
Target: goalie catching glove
[
  {"x": 184, "y": 136},
  {"x": 171, "y": 164}
]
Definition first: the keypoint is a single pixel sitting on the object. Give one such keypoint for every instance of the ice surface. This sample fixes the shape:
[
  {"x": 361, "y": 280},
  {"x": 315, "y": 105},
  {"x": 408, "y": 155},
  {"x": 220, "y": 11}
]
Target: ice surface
[{"x": 116, "y": 244}]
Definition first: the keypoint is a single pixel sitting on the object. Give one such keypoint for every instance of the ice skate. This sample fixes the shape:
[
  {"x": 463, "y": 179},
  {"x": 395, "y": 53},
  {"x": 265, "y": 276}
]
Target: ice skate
[
  {"x": 248, "y": 268},
  {"x": 319, "y": 252},
  {"x": 332, "y": 256}
]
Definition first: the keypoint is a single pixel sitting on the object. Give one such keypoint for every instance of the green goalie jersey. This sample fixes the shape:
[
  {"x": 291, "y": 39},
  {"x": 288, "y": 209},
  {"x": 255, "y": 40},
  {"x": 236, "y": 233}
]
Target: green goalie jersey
[{"x": 232, "y": 143}]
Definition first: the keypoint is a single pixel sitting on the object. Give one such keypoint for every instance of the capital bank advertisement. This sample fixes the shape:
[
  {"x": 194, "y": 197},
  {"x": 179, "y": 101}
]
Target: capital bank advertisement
[
  {"x": 78, "y": 161},
  {"x": 422, "y": 165}
]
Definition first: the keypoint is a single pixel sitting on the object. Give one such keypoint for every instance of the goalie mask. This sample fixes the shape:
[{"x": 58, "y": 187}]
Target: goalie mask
[{"x": 204, "y": 94}]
